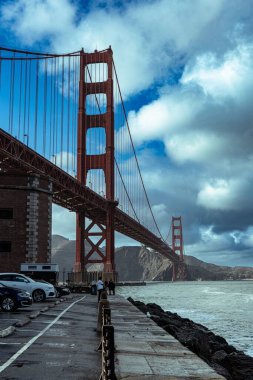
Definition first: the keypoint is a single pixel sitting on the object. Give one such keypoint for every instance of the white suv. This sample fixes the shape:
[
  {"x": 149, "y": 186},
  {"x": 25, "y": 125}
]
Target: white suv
[{"x": 38, "y": 290}]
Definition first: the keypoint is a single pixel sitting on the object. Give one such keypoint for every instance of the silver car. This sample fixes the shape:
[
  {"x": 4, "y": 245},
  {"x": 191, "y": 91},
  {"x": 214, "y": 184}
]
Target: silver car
[{"x": 38, "y": 290}]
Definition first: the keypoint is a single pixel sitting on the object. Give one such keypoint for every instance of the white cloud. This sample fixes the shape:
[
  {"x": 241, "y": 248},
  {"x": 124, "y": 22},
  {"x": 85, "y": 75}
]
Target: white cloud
[
  {"x": 195, "y": 146},
  {"x": 221, "y": 78},
  {"x": 34, "y": 20},
  {"x": 247, "y": 237},
  {"x": 210, "y": 242},
  {"x": 63, "y": 222},
  {"x": 136, "y": 33},
  {"x": 223, "y": 194},
  {"x": 163, "y": 116}
]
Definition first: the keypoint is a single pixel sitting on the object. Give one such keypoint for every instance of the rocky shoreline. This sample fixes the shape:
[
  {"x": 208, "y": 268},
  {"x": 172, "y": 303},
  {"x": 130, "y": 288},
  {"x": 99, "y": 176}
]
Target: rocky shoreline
[{"x": 213, "y": 349}]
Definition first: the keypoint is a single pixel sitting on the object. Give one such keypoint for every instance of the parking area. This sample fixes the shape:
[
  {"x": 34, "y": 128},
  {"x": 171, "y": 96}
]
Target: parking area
[
  {"x": 52, "y": 339},
  {"x": 24, "y": 315}
]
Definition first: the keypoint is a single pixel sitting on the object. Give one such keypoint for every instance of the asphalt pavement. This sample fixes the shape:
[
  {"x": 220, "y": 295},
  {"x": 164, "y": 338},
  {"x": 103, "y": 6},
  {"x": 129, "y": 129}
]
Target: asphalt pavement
[{"x": 51, "y": 340}]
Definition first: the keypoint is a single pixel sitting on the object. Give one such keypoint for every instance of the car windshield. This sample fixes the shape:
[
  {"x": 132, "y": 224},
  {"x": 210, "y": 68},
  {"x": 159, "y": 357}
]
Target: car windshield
[
  {"x": 44, "y": 282},
  {"x": 2, "y": 285},
  {"x": 29, "y": 278}
]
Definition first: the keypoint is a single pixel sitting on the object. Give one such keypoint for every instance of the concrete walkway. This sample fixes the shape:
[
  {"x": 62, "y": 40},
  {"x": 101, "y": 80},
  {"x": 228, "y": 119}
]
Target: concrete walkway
[
  {"x": 145, "y": 351},
  {"x": 67, "y": 350}
]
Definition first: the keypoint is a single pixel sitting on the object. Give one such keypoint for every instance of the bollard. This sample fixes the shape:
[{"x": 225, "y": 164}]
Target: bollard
[
  {"x": 106, "y": 316},
  {"x": 107, "y": 353},
  {"x": 106, "y": 320}
]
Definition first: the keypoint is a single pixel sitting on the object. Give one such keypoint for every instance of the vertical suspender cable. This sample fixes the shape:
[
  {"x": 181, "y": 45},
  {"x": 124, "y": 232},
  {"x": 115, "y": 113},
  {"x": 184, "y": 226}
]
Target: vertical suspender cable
[
  {"x": 68, "y": 116},
  {"x": 10, "y": 95},
  {"x": 45, "y": 110},
  {"x": 75, "y": 116},
  {"x": 12, "y": 87},
  {"x": 56, "y": 109},
  {"x": 36, "y": 104},
  {"x": 20, "y": 97},
  {"x": 73, "y": 113},
  {"x": 91, "y": 110},
  {"x": 51, "y": 112},
  {"x": 0, "y": 69},
  {"x": 29, "y": 101},
  {"x": 25, "y": 93},
  {"x": 62, "y": 108}
]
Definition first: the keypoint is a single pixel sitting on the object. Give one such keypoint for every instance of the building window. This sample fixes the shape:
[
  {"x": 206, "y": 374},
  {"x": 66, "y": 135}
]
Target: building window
[
  {"x": 6, "y": 213},
  {"x": 5, "y": 246}
]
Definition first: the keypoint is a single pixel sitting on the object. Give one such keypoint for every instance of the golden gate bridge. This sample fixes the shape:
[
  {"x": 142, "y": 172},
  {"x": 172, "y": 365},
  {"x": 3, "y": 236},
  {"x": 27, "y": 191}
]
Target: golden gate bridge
[{"x": 63, "y": 119}]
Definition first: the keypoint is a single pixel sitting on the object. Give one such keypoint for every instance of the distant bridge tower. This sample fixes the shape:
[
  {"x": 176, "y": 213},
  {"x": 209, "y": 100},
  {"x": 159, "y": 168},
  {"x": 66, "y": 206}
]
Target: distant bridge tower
[
  {"x": 179, "y": 270},
  {"x": 96, "y": 234}
]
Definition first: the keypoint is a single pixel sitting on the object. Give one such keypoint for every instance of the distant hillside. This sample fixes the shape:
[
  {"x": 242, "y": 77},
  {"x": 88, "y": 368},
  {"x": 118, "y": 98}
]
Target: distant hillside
[
  {"x": 63, "y": 252},
  {"x": 135, "y": 263},
  {"x": 206, "y": 271}
]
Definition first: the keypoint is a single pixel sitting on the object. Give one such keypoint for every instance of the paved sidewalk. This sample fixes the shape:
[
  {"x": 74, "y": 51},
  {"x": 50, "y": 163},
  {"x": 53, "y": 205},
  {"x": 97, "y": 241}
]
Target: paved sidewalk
[
  {"x": 145, "y": 351},
  {"x": 68, "y": 349}
]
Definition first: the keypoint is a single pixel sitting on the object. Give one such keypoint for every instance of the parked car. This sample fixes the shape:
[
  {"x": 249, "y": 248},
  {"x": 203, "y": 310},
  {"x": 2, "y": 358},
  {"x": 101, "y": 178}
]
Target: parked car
[
  {"x": 60, "y": 290},
  {"x": 11, "y": 299},
  {"x": 38, "y": 290}
]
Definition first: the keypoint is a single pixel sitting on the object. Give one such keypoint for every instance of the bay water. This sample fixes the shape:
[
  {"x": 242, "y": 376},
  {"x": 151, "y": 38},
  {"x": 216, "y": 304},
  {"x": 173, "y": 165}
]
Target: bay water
[{"x": 224, "y": 307}]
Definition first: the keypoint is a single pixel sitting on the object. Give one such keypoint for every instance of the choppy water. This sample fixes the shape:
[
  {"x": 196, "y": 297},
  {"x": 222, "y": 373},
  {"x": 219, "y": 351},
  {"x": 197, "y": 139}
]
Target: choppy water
[{"x": 225, "y": 307}]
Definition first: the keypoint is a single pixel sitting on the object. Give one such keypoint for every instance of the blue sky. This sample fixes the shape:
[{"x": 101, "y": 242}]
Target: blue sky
[{"x": 186, "y": 74}]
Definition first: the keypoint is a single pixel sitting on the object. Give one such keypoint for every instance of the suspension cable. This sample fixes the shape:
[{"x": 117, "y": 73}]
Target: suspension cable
[{"x": 124, "y": 110}]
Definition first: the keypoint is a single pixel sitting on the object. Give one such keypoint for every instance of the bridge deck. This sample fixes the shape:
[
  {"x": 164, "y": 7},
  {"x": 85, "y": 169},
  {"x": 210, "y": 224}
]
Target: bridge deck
[
  {"x": 145, "y": 351},
  {"x": 71, "y": 194}
]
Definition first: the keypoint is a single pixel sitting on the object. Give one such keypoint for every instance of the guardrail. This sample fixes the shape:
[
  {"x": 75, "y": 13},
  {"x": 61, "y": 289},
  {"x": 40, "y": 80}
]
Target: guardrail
[{"x": 107, "y": 346}]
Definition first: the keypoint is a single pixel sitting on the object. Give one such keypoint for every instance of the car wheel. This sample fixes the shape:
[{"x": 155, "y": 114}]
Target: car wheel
[
  {"x": 39, "y": 295},
  {"x": 8, "y": 304}
]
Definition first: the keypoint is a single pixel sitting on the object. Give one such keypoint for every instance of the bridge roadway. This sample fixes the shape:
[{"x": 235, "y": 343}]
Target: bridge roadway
[
  {"x": 69, "y": 193},
  {"x": 60, "y": 343}
]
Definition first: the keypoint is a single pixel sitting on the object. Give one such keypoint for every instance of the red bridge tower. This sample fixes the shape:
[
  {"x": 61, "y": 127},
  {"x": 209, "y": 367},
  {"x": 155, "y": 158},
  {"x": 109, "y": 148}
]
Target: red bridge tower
[
  {"x": 179, "y": 270},
  {"x": 105, "y": 161}
]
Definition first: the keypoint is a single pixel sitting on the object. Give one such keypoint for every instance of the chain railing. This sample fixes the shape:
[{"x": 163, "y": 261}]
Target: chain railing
[
  {"x": 108, "y": 349},
  {"x": 107, "y": 346}
]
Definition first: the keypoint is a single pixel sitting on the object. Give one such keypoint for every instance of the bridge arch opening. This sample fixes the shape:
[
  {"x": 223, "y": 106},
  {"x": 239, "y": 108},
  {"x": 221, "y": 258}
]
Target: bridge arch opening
[
  {"x": 96, "y": 104},
  {"x": 96, "y": 72},
  {"x": 95, "y": 141},
  {"x": 96, "y": 181}
]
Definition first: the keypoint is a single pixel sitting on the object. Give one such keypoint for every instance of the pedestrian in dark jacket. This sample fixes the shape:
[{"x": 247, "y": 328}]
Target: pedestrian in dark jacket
[{"x": 111, "y": 287}]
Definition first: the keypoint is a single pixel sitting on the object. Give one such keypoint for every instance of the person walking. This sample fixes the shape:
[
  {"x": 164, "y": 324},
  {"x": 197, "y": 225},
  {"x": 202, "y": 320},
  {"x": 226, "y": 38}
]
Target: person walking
[
  {"x": 111, "y": 287},
  {"x": 100, "y": 287}
]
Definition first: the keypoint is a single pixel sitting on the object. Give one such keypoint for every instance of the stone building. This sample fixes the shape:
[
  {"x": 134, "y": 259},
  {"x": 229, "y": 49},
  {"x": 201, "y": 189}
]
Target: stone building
[{"x": 25, "y": 220}]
